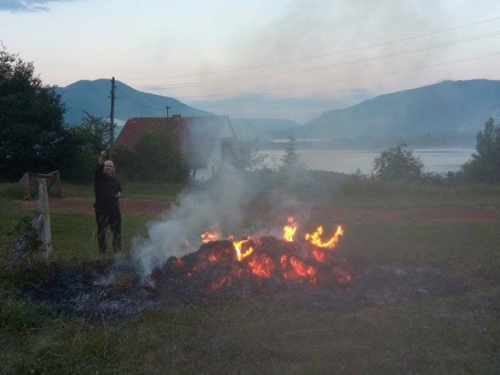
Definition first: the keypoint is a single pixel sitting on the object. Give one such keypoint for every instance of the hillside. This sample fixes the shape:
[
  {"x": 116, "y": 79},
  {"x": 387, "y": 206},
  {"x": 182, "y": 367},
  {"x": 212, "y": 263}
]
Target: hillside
[
  {"x": 449, "y": 108},
  {"x": 93, "y": 97}
]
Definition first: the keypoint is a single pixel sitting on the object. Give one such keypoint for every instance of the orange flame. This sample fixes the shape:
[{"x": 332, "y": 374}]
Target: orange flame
[
  {"x": 315, "y": 238},
  {"x": 216, "y": 285},
  {"x": 213, "y": 257},
  {"x": 295, "y": 268},
  {"x": 210, "y": 237},
  {"x": 289, "y": 230},
  {"x": 263, "y": 267},
  {"x": 237, "y": 247},
  {"x": 319, "y": 255}
]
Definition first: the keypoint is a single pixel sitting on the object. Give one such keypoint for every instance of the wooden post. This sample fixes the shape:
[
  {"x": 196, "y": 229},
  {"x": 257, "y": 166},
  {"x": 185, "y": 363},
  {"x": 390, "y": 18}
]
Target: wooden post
[
  {"x": 39, "y": 227},
  {"x": 42, "y": 205}
]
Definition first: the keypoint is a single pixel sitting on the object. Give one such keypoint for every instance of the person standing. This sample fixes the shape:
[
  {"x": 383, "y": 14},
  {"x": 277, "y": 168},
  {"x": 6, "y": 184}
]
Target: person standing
[{"x": 107, "y": 206}]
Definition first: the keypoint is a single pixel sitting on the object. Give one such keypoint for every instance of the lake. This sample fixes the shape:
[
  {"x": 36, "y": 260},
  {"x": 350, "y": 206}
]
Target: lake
[{"x": 435, "y": 160}]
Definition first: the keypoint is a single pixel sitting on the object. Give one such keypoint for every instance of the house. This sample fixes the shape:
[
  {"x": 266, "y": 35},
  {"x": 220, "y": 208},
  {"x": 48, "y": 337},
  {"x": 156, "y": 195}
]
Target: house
[{"x": 205, "y": 142}]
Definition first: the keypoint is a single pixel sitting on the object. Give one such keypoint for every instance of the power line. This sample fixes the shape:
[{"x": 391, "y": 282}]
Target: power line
[
  {"x": 320, "y": 56},
  {"x": 135, "y": 101},
  {"x": 329, "y": 66},
  {"x": 393, "y": 73},
  {"x": 359, "y": 78}
]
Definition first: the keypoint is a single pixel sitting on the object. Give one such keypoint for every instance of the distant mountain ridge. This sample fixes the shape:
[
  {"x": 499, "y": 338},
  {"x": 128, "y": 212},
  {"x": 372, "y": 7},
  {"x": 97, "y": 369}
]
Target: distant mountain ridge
[
  {"x": 450, "y": 110},
  {"x": 94, "y": 97},
  {"x": 449, "y": 107}
]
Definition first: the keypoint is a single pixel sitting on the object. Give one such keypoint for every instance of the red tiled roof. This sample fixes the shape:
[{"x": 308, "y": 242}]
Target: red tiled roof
[
  {"x": 136, "y": 126},
  {"x": 196, "y": 135}
]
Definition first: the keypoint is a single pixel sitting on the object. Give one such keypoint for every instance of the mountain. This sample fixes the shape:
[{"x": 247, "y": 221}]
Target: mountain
[
  {"x": 449, "y": 108},
  {"x": 94, "y": 97}
]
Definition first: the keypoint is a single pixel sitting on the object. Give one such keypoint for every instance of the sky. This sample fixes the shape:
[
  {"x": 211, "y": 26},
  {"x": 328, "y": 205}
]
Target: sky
[{"x": 285, "y": 59}]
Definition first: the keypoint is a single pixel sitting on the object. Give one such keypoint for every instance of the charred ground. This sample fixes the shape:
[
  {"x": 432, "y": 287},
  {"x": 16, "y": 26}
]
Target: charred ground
[{"x": 109, "y": 290}]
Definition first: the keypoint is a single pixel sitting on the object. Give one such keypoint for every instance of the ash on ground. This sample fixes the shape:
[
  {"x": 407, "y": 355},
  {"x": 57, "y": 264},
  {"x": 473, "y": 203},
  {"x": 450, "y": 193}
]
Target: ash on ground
[{"x": 106, "y": 291}]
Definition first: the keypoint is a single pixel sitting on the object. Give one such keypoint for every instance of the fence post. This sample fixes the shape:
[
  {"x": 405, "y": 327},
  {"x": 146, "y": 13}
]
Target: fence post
[{"x": 42, "y": 205}]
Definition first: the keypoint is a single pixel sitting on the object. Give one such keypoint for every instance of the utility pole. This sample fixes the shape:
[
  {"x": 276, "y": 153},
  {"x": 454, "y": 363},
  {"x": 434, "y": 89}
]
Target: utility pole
[
  {"x": 112, "y": 120},
  {"x": 167, "y": 107}
]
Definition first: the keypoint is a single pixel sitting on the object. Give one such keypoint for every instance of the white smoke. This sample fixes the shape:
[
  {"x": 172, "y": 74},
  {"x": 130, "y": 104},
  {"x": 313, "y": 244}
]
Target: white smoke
[{"x": 178, "y": 233}]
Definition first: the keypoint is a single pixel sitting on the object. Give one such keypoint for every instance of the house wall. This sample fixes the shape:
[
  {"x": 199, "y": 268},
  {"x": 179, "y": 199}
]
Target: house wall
[
  {"x": 201, "y": 175},
  {"x": 214, "y": 161}
]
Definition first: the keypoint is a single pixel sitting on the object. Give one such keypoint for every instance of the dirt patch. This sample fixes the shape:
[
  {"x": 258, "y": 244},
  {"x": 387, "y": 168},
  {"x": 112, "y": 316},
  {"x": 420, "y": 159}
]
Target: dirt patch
[{"x": 128, "y": 206}]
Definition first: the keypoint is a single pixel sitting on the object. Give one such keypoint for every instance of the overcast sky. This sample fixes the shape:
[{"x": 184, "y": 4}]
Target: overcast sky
[{"x": 257, "y": 58}]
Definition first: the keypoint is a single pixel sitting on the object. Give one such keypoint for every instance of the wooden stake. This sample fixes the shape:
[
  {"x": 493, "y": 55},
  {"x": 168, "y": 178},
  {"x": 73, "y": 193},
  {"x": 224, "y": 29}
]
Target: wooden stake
[
  {"x": 42, "y": 204},
  {"x": 38, "y": 227}
]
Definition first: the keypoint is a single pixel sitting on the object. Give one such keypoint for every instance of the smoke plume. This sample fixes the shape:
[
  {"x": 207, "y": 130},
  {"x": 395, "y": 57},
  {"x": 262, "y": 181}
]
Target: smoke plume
[{"x": 218, "y": 204}]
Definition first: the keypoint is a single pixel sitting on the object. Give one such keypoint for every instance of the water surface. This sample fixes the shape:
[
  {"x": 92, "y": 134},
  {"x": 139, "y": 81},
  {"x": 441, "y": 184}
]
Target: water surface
[{"x": 435, "y": 160}]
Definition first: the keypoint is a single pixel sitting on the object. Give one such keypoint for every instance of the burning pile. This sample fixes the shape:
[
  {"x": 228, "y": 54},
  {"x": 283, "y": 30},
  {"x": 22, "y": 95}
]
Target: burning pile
[
  {"x": 263, "y": 264},
  {"x": 307, "y": 272}
]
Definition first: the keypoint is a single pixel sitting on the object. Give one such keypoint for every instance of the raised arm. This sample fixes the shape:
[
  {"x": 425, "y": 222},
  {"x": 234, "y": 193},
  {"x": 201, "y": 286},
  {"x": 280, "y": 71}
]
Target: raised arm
[{"x": 102, "y": 158}]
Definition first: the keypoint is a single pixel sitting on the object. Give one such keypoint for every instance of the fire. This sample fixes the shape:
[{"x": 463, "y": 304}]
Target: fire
[
  {"x": 238, "y": 246},
  {"x": 316, "y": 240},
  {"x": 210, "y": 237},
  {"x": 262, "y": 266},
  {"x": 296, "y": 269},
  {"x": 289, "y": 230},
  {"x": 304, "y": 261},
  {"x": 213, "y": 257},
  {"x": 319, "y": 255}
]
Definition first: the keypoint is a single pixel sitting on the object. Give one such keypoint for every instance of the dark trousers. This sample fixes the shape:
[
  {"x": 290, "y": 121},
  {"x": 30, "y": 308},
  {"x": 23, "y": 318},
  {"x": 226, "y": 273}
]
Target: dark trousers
[{"x": 114, "y": 222}]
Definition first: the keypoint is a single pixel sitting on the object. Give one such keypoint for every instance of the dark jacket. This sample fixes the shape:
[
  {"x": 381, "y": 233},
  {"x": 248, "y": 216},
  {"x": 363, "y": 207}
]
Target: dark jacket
[{"x": 106, "y": 188}]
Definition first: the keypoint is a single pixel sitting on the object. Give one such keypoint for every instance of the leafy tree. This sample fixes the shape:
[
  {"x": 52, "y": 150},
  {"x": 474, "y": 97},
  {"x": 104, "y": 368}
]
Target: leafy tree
[
  {"x": 96, "y": 130},
  {"x": 485, "y": 163},
  {"x": 32, "y": 132},
  {"x": 248, "y": 155},
  {"x": 155, "y": 157},
  {"x": 291, "y": 158},
  {"x": 398, "y": 164},
  {"x": 89, "y": 139}
]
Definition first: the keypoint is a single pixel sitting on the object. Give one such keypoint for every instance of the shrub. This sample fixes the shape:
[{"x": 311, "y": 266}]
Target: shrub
[{"x": 398, "y": 164}]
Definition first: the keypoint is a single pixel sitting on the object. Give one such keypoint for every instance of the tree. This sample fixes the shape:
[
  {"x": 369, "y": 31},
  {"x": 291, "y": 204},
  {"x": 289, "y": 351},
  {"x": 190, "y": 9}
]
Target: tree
[
  {"x": 95, "y": 130},
  {"x": 154, "y": 157},
  {"x": 32, "y": 132},
  {"x": 291, "y": 159},
  {"x": 485, "y": 163},
  {"x": 248, "y": 156},
  {"x": 398, "y": 164},
  {"x": 88, "y": 139}
]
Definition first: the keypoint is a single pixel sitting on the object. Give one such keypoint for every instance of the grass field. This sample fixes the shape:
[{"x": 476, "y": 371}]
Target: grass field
[{"x": 450, "y": 334}]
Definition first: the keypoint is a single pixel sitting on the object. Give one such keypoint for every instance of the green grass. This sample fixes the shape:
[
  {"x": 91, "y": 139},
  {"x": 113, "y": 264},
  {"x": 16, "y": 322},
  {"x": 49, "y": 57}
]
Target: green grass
[
  {"x": 74, "y": 236},
  {"x": 263, "y": 336},
  {"x": 389, "y": 194},
  {"x": 444, "y": 335},
  {"x": 431, "y": 242}
]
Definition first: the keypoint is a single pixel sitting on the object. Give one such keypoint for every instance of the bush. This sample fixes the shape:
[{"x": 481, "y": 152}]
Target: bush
[
  {"x": 398, "y": 164},
  {"x": 11, "y": 191}
]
